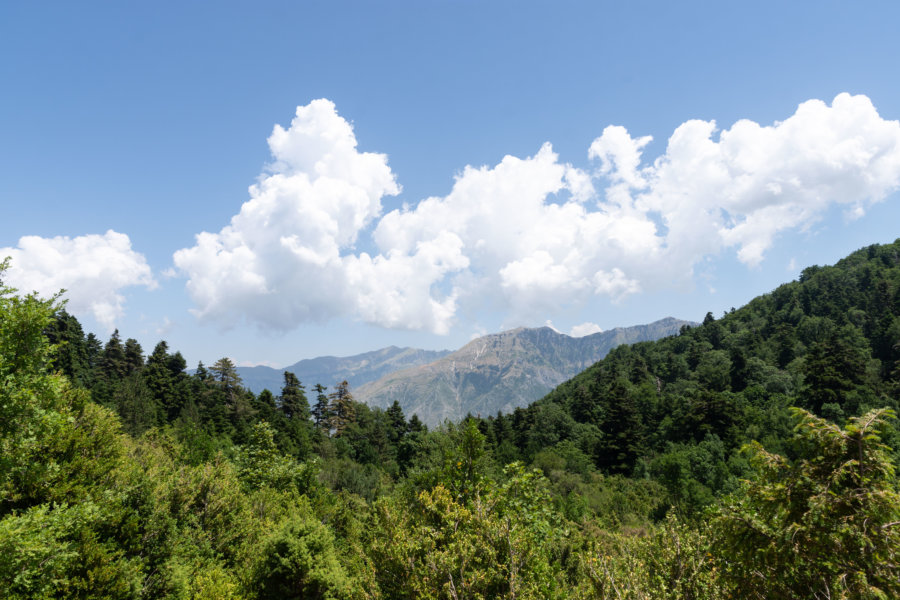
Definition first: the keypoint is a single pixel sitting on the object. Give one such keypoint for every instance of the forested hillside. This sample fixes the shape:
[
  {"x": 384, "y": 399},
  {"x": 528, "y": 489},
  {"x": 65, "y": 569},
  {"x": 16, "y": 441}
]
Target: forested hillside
[
  {"x": 752, "y": 456},
  {"x": 829, "y": 343}
]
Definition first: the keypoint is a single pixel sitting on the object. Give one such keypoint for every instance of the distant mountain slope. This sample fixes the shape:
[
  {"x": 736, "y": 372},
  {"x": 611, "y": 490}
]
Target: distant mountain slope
[
  {"x": 502, "y": 371},
  {"x": 329, "y": 370}
]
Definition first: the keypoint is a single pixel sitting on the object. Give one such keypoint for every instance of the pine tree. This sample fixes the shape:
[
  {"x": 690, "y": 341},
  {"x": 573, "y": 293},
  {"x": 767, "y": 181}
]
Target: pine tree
[
  {"x": 136, "y": 406},
  {"x": 416, "y": 425},
  {"x": 111, "y": 369},
  {"x": 321, "y": 411},
  {"x": 293, "y": 402},
  {"x": 225, "y": 377},
  {"x": 623, "y": 442},
  {"x": 71, "y": 355},
  {"x": 397, "y": 421},
  {"x": 134, "y": 356},
  {"x": 165, "y": 378},
  {"x": 341, "y": 406},
  {"x": 222, "y": 401},
  {"x": 113, "y": 359},
  {"x": 93, "y": 350}
]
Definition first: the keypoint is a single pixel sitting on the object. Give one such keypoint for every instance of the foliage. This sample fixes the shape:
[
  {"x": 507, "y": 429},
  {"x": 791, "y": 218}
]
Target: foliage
[
  {"x": 825, "y": 524},
  {"x": 127, "y": 477},
  {"x": 673, "y": 560},
  {"x": 497, "y": 545},
  {"x": 299, "y": 561}
]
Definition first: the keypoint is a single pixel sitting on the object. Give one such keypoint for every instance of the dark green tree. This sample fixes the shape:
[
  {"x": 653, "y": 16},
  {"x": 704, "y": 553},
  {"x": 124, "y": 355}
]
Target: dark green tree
[
  {"x": 299, "y": 561},
  {"x": 66, "y": 334},
  {"x": 623, "y": 431},
  {"x": 134, "y": 356},
  {"x": 321, "y": 410},
  {"x": 342, "y": 408},
  {"x": 293, "y": 402},
  {"x": 165, "y": 379},
  {"x": 397, "y": 422}
]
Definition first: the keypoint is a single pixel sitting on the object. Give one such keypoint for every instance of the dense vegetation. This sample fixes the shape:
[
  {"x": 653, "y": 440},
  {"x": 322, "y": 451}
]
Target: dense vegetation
[{"x": 748, "y": 457}]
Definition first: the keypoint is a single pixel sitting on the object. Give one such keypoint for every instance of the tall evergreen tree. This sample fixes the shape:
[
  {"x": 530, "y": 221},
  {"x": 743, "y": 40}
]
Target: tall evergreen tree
[
  {"x": 341, "y": 405},
  {"x": 321, "y": 411},
  {"x": 112, "y": 368},
  {"x": 71, "y": 355},
  {"x": 134, "y": 356},
  {"x": 224, "y": 376},
  {"x": 113, "y": 360},
  {"x": 165, "y": 379},
  {"x": 293, "y": 402},
  {"x": 397, "y": 421}
]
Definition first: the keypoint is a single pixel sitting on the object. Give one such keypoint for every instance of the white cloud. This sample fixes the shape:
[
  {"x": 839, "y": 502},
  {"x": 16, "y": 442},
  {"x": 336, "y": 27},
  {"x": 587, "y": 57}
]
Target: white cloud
[
  {"x": 92, "y": 268},
  {"x": 756, "y": 181},
  {"x": 285, "y": 258},
  {"x": 165, "y": 327},
  {"x": 585, "y": 329},
  {"x": 528, "y": 235}
]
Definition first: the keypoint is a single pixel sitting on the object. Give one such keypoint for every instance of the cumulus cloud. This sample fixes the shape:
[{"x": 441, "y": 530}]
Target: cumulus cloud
[
  {"x": 92, "y": 268},
  {"x": 284, "y": 258},
  {"x": 585, "y": 329},
  {"x": 527, "y": 235},
  {"x": 756, "y": 181}
]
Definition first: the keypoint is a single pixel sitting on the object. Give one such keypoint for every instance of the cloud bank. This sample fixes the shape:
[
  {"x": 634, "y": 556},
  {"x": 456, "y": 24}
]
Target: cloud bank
[
  {"x": 92, "y": 268},
  {"x": 526, "y": 235}
]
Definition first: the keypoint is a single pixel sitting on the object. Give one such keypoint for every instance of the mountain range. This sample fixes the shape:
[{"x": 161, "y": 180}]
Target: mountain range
[
  {"x": 330, "y": 370},
  {"x": 496, "y": 372},
  {"x": 502, "y": 371}
]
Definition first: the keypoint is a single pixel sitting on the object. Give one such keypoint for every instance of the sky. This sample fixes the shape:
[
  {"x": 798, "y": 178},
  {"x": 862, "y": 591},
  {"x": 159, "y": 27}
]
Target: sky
[{"x": 273, "y": 181}]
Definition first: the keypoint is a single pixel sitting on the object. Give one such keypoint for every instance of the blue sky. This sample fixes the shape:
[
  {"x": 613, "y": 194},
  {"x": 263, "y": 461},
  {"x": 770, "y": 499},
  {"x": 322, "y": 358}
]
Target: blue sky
[{"x": 126, "y": 131}]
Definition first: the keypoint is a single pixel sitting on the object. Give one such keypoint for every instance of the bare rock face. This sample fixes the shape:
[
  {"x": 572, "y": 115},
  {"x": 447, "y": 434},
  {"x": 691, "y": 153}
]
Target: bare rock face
[{"x": 501, "y": 372}]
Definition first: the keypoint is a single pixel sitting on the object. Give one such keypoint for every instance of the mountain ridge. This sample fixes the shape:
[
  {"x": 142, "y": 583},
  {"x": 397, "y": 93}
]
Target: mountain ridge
[
  {"x": 501, "y": 371},
  {"x": 357, "y": 369}
]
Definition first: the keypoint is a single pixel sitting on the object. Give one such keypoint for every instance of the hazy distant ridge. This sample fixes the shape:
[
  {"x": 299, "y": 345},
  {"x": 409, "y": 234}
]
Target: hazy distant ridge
[
  {"x": 329, "y": 370},
  {"x": 502, "y": 371}
]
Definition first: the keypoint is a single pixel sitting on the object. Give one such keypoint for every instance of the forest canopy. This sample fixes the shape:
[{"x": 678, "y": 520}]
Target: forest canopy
[{"x": 753, "y": 456}]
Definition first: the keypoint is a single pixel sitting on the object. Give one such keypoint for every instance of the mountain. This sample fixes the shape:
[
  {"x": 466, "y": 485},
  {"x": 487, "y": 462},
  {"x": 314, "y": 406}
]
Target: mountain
[
  {"x": 329, "y": 370},
  {"x": 502, "y": 371}
]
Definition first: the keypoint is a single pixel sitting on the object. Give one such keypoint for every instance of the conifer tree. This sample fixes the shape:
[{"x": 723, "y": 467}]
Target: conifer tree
[
  {"x": 321, "y": 411},
  {"x": 293, "y": 402},
  {"x": 113, "y": 360},
  {"x": 225, "y": 377},
  {"x": 93, "y": 350},
  {"x": 341, "y": 406},
  {"x": 397, "y": 421},
  {"x": 166, "y": 380},
  {"x": 416, "y": 425},
  {"x": 71, "y": 358},
  {"x": 202, "y": 373},
  {"x": 134, "y": 356},
  {"x": 111, "y": 369}
]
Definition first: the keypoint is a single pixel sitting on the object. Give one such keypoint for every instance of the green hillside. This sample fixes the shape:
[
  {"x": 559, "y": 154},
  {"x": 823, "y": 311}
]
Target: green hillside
[{"x": 678, "y": 409}]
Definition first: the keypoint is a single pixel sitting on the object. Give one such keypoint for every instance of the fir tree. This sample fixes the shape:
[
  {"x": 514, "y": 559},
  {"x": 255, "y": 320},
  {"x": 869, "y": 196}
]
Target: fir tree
[
  {"x": 293, "y": 402},
  {"x": 321, "y": 411},
  {"x": 341, "y": 406}
]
